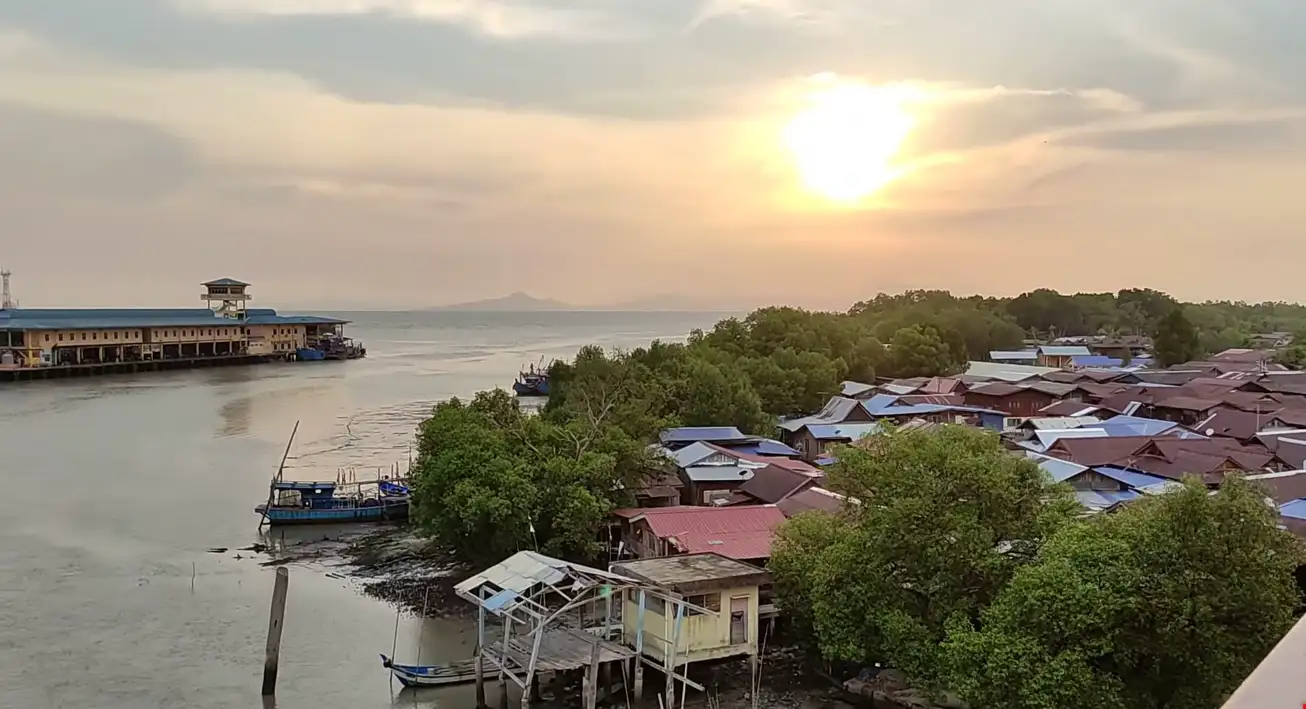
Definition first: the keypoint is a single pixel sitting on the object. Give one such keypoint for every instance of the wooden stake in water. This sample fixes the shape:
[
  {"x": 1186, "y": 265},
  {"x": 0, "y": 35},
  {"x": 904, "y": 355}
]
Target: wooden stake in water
[{"x": 274, "y": 632}]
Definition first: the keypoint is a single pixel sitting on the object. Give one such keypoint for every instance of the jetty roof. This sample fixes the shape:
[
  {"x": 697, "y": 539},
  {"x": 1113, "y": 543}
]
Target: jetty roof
[
  {"x": 225, "y": 282},
  {"x": 112, "y": 318},
  {"x": 688, "y": 573}
]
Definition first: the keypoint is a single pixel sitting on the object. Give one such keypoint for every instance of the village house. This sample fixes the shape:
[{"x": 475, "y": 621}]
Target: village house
[
  {"x": 1008, "y": 398},
  {"x": 1059, "y": 356},
  {"x": 816, "y": 440},
  {"x": 738, "y": 531},
  {"x": 772, "y": 484},
  {"x": 720, "y": 617}
]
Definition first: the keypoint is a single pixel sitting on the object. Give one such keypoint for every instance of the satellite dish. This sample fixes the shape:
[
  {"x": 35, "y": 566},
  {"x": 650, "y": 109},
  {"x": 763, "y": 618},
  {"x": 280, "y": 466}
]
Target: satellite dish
[{"x": 1210, "y": 431}]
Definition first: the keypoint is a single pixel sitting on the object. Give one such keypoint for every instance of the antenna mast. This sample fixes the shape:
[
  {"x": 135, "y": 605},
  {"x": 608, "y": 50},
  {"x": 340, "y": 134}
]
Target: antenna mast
[{"x": 6, "y": 301}]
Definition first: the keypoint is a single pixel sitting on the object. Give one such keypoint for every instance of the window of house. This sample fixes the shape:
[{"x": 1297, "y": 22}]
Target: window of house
[
  {"x": 94, "y": 335},
  {"x": 710, "y": 601},
  {"x": 655, "y": 605},
  {"x": 47, "y": 337},
  {"x": 115, "y": 334},
  {"x": 61, "y": 337}
]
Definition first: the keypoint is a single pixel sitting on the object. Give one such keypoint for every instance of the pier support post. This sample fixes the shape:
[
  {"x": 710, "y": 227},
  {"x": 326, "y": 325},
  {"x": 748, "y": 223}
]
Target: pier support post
[
  {"x": 639, "y": 648},
  {"x": 590, "y": 690},
  {"x": 273, "y": 653},
  {"x": 480, "y": 651}
]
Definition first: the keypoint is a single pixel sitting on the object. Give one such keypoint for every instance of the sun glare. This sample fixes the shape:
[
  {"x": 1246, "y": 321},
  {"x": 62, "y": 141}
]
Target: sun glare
[{"x": 845, "y": 142}]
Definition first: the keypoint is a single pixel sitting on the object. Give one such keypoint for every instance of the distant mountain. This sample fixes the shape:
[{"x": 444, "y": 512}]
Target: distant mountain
[
  {"x": 514, "y": 303},
  {"x": 677, "y": 303}
]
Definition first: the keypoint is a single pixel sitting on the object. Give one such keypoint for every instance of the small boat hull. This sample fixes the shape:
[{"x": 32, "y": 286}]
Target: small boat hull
[
  {"x": 395, "y": 511},
  {"x": 308, "y": 354},
  {"x": 540, "y": 388},
  {"x": 432, "y": 675}
]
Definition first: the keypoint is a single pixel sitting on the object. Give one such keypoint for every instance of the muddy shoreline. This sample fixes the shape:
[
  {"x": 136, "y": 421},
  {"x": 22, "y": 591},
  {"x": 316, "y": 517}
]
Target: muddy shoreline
[{"x": 395, "y": 565}]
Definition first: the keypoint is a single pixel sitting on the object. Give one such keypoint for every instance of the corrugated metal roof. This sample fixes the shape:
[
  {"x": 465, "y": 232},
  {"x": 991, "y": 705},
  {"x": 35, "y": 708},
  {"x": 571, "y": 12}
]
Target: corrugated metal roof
[
  {"x": 1060, "y": 470},
  {"x": 1096, "y": 361},
  {"x": 1102, "y": 499},
  {"x": 1295, "y": 509},
  {"x": 842, "y": 431},
  {"x": 836, "y": 410},
  {"x": 1064, "y": 351},
  {"x": 690, "y": 434},
  {"x": 116, "y": 318},
  {"x": 523, "y": 570},
  {"x": 1005, "y": 372},
  {"x": 764, "y": 446},
  {"x": 742, "y": 532},
  {"x": 719, "y": 473},
  {"x": 853, "y": 389},
  {"x": 997, "y": 355},
  {"x": 1132, "y": 478},
  {"x": 813, "y": 498}
]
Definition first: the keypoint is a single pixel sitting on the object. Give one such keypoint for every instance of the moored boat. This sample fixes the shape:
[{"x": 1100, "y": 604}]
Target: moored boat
[
  {"x": 533, "y": 381},
  {"x": 311, "y": 502},
  {"x": 431, "y": 675}
]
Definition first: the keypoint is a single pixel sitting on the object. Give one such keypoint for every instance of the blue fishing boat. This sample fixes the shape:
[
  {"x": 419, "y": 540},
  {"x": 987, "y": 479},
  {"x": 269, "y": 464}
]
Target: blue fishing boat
[
  {"x": 432, "y": 675},
  {"x": 334, "y": 502},
  {"x": 300, "y": 502},
  {"x": 532, "y": 382}
]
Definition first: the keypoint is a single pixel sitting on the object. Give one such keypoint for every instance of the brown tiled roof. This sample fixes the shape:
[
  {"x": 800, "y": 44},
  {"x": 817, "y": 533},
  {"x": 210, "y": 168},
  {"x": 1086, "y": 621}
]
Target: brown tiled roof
[
  {"x": 1218, "y": 384},
  {"x": 1186, "y": 403},
  {"x": 772, "y": 483},
  {"x": 1098, "y": 451},
  {"x": 1283, "y": 487},
  {"x": 1173, "y": 377},
  {"x": 1209, "y": 467},
  {"x": 1100, "y": 375},
  {"x": 995, "y": 389},
  {"x": 943, "y": 385},
  {"x": 1100, "y": 390},
  {"x": 1066, "y": 408},
  {"x": 1057, "y": 389},
  {"x": 1292, "y": 416},
  {"x": 1065, "y": 376},
  {"x": 813, "y": 498},
  {"x": 1232, "y": 423}
]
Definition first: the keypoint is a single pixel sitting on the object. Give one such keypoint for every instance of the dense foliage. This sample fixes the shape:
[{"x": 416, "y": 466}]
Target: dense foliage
[
  {"x": 485, "y": 474},
  {"x": 1169, "y": 603},
  {"x": 964, "y": 567},
  {"x": 946, "y": 518}
]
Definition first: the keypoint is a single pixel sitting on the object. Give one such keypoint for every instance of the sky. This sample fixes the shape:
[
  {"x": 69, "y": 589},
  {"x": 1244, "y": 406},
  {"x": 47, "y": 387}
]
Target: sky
[{"x": 397, "y": 153}]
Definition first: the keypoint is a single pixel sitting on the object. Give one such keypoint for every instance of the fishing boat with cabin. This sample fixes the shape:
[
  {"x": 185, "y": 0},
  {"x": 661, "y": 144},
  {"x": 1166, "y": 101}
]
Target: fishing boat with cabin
[
  {"x": 331, "y": 502},
  {"x": 533, "y": 381}
]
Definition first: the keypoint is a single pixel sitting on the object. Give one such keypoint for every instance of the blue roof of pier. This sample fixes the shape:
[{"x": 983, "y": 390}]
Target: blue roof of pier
[
  {"x": 225, "y": 282},
  {"x": 111, "y": 318}
]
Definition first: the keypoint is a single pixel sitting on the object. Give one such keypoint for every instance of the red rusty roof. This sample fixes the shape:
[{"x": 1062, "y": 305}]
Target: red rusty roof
[{"x": 735, "y": 532}]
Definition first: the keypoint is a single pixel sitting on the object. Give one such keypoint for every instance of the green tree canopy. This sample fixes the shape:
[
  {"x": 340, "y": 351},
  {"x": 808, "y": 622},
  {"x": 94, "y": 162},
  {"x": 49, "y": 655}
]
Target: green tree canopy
[
  {"x": 946, "y": 517},
  {"x": 1169, "y": 603},
  {"x": 1176, "y": 339}
]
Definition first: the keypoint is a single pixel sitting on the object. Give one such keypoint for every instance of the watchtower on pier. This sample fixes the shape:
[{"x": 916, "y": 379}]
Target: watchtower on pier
[{"x": 229, "y": 294}]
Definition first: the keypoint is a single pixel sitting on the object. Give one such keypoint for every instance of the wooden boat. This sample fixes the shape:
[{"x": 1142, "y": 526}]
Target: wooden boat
[
  {"x": 532, "y": 382},
  {"x": 335, "y": 502},
  {"x": 297, "y": 502},
  {"x": 432, "y": 675}
]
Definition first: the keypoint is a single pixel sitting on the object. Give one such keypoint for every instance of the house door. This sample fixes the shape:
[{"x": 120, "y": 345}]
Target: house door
[{"x": 739, "y": 620}]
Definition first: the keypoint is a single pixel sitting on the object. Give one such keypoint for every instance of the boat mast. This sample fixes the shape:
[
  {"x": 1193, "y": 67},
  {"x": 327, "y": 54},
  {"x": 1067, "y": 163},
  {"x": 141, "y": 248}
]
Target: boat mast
[{"x": 272, "y": 486}]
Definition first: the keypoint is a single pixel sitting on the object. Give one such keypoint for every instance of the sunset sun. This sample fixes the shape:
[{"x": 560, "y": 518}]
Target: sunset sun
[{"x": 845, "y": 141}]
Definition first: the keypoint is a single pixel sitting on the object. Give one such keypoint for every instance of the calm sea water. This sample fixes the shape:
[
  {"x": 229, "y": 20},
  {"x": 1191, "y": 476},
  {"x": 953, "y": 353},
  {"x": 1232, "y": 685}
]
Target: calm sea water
[{"x": 115, "y": 488}]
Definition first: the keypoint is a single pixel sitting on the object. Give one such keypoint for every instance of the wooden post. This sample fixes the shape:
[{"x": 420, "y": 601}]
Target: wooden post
[
  {"x": 480, "y": 650},
  {"x": 274, "y": 632},
  {"x": 671, "y": 656},
  {"x": 639, "y": 648},
  {"x": 503, "y": 662},
  {"x": 591, "y": 682}
]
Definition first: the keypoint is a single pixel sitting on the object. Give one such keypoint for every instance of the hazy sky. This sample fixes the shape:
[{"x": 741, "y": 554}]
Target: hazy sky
[{"x": 398, "y": 152}]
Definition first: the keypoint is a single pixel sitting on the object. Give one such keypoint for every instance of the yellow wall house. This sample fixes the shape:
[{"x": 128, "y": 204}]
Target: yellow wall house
[{"x": 718, "y": 619}]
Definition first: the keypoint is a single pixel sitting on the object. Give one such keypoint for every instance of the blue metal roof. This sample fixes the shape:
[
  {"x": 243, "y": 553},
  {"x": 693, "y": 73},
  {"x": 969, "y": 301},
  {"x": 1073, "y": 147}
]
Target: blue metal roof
[
  {"x": 1060, "y": 470},
  {"x": 112, "y": 318},
  {"x": 1101, "y": 499},
  {"x": 1129, "y": 477},
  {"x": 839, "y": 431},
  {"x": 879, "y": 401},
  {"x": 691, "y": 434},
  {"x": 1295, "y": 509},
  {"x": 1135, "y": 426},
  {"x": 1096, "y": 361},
  {"x": 764, "y": 446},
  {"x": 225, "y": 282}
]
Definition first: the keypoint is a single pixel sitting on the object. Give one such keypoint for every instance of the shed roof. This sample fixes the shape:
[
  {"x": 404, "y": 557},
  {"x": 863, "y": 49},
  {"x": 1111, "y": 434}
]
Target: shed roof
[
  {"x": 1064, "y": 351},
  {"x": 524, "y": 570},
  {"x": 836, "y": 410},
  {"x": 773, "y": 483},
  {"x": 1022, "y": 355},
  {"x": 737, "y": 532},
  {"x": 812, "y": 499},
  {"x": 693, "y": 572},
  {"x": 692, "y": 434}
]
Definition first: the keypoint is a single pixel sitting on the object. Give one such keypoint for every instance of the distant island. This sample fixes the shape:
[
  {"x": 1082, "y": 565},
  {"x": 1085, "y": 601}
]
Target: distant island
[
  {"x": 523, "y": 302},
  {"x": 513, "y": 303}
]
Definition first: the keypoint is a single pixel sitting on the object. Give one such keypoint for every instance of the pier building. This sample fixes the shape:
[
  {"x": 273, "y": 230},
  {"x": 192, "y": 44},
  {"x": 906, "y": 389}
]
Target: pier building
[{"x": 100, "y": 340}]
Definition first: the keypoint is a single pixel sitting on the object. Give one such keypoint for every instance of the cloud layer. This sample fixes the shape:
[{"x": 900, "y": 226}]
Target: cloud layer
[{"x": 442, "y": 150}]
